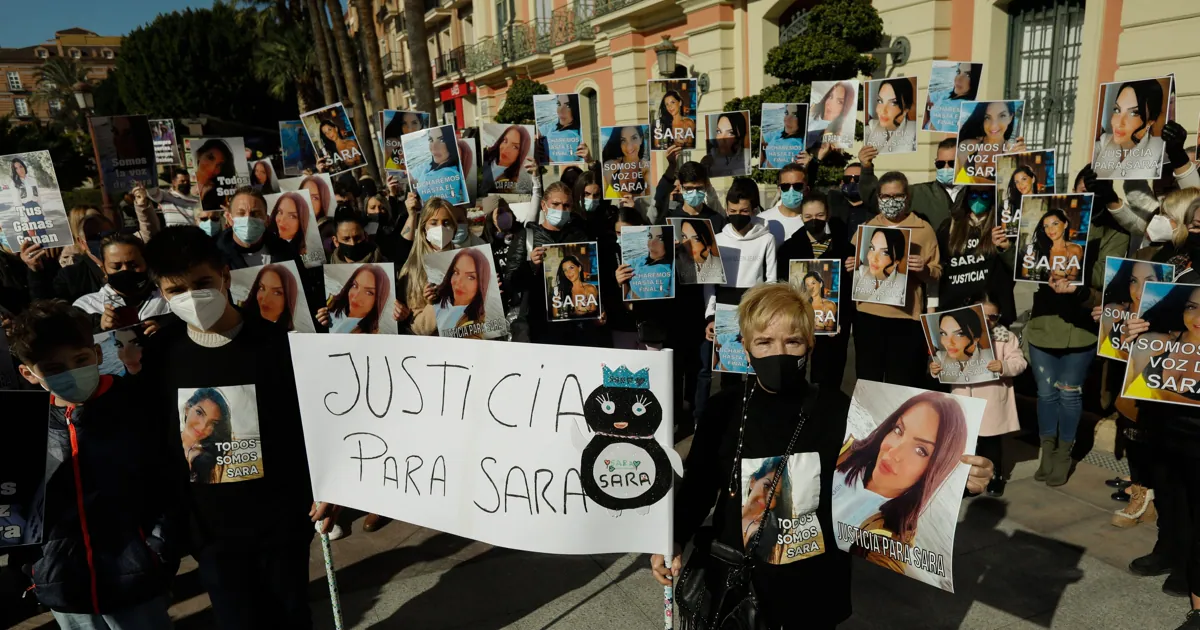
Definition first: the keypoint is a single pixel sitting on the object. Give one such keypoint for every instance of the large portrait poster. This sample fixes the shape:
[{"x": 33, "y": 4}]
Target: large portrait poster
[
  {"x": 960, "y": 345},
  {"x": 1164, "y": 363},
  {"x": 572, "y": 276},
  {"x": 319, "y": 188},
  {"x": 783, "y": 129},
  {"x": 1129, "y": 124},
  {"x": 220, "y": 433},
  {"x": 544, "y": 467},
  {"x": 31, "y": 205},
  {"x": 166, "y": 148},
  {"x": 904, "y": 442},
  {"x": 1017, "y": 175},
  {"x": 728, "y": 142},
  {"x": 290, "y": 217},
  {"x": 297, "y": 149},
  {"x": 559, "y": 126},
  {"x": 672, "y": 113},
  {"x": 697, "y": 257},
  {"x": 891, "y": 115},
  {"x": 431, "y": 159},
  {"x": 125, "y": 149},
  {"x": 23, "y": 462},
  {"x": 359, "y": 298},
  {"x": 467, "y": 304},
  {"x": 986, "y": 129},
  {"x": 505, "y": 149},
  {"x": 650, "y": 251},
  {"x": 950, "y": 83},
  {"x": 881, "y": 270},
  {"x": 821, "y": 281},
  {"x": 1053, "y": 237},
  {"x": 729, "y": 352},
  {"x": 625, "y": 161},
  {"x": 832, "y": 114},
  {"x": 1125, "y": 281},
  {"x": 396, "y": 123},
  {"x": 221, "y": 168},
  {"x": 333, "y": 138},
  {"x": 273, "y": 293}
]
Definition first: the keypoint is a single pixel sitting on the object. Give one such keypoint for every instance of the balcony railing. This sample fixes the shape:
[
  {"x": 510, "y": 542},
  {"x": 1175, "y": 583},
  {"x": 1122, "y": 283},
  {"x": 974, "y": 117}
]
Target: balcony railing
[
  {"x": 604, "y": 7},
  {"x": 571, "y": 23},
  {"x": 484, "y": 55},
  {"x": 393, "y": 64},
  {"x": 529, "y": 38},
  {"x": 453, "y": 62}
]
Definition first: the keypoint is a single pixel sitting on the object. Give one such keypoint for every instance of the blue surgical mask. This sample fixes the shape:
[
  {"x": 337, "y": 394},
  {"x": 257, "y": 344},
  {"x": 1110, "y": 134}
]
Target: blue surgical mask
[
  {"x": 558, "y": 218},
  {"x": 248, "y": 229},
  {"x": 945, "y": 176},
  {"x": 74, "y": 386},
  {"x": 461, "y": 234},
  {"x": 590, "y": 205},
  {"x": 211, "y": 227},
  {"x": 792, "y": 198},
  {"x": 694, "y": 198}
]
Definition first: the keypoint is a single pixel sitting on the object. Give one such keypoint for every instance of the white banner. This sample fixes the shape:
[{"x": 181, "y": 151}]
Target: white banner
[{"x": 542, "y": 448}]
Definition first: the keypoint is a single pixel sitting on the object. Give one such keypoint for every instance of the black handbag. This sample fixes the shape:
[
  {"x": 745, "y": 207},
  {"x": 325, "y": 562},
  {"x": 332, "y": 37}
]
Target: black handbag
[{"x": 715, "y": 590}]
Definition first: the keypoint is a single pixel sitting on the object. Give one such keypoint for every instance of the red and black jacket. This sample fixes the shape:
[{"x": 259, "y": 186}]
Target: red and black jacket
[{"x": 113, "y": 500}]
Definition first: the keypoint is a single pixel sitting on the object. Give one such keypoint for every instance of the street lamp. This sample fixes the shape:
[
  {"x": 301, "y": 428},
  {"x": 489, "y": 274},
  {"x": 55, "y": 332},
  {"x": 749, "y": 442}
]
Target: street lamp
[
  {"x": 666, "y": 53},
  {"x": 83, "y": 96}
]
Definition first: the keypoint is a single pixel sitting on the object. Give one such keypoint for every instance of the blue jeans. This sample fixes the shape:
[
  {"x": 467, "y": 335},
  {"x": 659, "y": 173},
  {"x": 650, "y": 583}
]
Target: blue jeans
[
  {"x": 151, "y": 615},
  {"x": 1059, "y": 375}
]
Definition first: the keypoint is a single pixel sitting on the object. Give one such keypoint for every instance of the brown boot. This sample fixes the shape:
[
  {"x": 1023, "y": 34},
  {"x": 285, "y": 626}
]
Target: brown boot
[
  {"x": 1060, "y": 464},
  {"x": 374, "y": 522},
  {"x": 1046, "y": 465},
  {"x": 1139, "y": 510}
]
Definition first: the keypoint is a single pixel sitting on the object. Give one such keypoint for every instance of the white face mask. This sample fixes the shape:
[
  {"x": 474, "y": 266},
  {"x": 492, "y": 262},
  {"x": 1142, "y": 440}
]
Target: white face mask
[
  {"x": 201, "y": 309},
  {"x": 1159, "y": 230},
  {"x": 439, "y": 236}
]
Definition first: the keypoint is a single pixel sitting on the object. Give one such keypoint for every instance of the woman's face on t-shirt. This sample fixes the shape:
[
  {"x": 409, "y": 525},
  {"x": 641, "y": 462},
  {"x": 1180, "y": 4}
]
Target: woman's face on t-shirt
[{"x": 201, "y": 420}]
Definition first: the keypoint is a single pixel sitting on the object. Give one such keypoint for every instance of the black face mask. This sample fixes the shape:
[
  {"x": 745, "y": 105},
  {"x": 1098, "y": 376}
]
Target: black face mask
[
  {"x": 129, "y": 282},
  {"x": 850, "y": 191},
  {"x": 1192, "y": 245},
  {"x": 739, "y": 221},
  {"x": 816, "y": 227},
  {"x": 780, "y": 373},
  {"x": 185, "y": 189},
  {"x": 357, "y": 251}
]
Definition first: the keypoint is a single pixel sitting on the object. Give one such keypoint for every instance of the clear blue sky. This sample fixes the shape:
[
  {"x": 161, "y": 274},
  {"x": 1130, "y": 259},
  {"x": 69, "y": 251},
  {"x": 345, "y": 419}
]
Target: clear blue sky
[{"x": 27, "y": 22}]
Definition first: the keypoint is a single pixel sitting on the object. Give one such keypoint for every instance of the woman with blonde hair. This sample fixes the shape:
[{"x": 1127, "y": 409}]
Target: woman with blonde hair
[{"x": 414, "y": 295}]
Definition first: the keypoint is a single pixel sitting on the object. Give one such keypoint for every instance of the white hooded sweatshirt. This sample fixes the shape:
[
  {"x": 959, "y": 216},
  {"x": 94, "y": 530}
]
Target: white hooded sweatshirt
[{"x": 748, "y": 259}]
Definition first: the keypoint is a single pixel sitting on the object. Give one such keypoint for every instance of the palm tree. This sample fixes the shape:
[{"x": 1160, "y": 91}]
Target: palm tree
[
  {"x": 354, "y": 92},
  {"x": 370, "y": 45},
  {"x": 316, "y": 16},
  {"x": 284, "y": 57},
  {"x": 56, "y": 81},
  {"x": 421, "y": 71}
]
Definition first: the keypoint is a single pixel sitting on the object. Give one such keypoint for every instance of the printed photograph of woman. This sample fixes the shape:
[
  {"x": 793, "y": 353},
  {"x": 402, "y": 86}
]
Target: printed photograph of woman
[
  {"x": 273, "y": 293},
  {"x": 650, "y": 251},
  {"x": 899, "y": 477},
  {"x": 881, "y": 275},
  {"x": 672, "y": 113},
  {"x": 218, "y": 427},
  {"x": 783, "y": 129},
  {"x": 466, "y": 295},
  {"x": 1164, "y": 360},
  {"x": 505, "y": 149},
  {"x": 559, "y": 127},
  {"x": 987, "y": 129},
  {"x": 296, "y": 148},
  {"x": 832, "y": 111},
  {"x": 625, "y": 161},
  {"x": 821, "y": 281},
  {"x": 395, "y": 124},
  {"x": 891, "y": 115},
  {"x": 728, "y": 353},
  {"x": 697, "y": 257},
  {"x": 960, "y": 346},
  {"x": 358, "y": 299},
  {"x": 776, "y": 491},
  {"x": 1130, "y": 121},
  {"x": 1124, "y": 282},
  {"x": 572, "y": 286},
  {"x": 213, "y": 159},
  {"x": 431, "y": 160},
  {"x": 292, "y": 219},
  {"x": 28, "y": 183},
  {"x": 728, "y": 144},
  {"x": 262, "y": 177},
  {"x": 950, "y": 83},
  {"x": 1017, "y": 175},
  {"x": 1052, "y": 239},
  {"x": 24, "y": 183},
  {"x": 333, "y": 138}
]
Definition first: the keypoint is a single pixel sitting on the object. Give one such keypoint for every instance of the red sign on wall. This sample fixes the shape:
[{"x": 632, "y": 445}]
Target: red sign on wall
[{"x": 458, "y": 90}]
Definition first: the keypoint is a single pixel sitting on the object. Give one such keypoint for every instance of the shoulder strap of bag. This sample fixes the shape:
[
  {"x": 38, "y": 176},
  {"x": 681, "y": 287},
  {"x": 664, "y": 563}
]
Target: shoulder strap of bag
[{"x": 753, "y": 546}]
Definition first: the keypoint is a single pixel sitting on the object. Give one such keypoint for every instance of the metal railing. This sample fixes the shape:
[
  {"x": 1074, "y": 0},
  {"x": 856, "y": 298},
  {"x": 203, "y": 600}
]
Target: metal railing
[
  {"x": 529, "y": 38},
  {"x": 572, "y": 23},
  {"x": 484, "y": 55},
  {"x": 452, "y": 62},
  {"x": 518, "y": 41},
  {"x": 604, "y": 7},
  {"x": 393, "y": 63}
]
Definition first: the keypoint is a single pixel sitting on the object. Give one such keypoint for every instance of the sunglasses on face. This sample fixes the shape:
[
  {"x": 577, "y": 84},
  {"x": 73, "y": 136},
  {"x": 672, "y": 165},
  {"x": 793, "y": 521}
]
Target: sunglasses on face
[
  {"x": 943, "y": 163},
  {"x": 851, "y": 179},
  {"x": 787, "y": 187}
]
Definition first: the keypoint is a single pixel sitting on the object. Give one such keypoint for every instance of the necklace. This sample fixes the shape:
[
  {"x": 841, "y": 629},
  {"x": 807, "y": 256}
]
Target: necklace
[{"x": 737, "y": 457}]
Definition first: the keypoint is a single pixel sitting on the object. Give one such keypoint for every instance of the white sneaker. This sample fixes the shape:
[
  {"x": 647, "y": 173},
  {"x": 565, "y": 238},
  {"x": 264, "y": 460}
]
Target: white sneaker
[{"x": 337, "y": 533}]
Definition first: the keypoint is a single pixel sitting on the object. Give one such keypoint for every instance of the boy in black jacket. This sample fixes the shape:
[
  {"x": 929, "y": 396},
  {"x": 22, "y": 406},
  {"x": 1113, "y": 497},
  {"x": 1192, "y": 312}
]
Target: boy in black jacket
[{"x": 113, "y": 481}]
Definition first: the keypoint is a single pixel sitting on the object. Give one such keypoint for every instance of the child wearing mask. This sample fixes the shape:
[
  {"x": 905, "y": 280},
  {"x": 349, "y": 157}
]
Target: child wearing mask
[{"x": 112, "y": 525}]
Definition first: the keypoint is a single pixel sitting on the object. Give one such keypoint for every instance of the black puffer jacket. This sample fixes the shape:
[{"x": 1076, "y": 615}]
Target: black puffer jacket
[
  {"x": 113, "y": 503},
  {"x": 66, "y": 283}
]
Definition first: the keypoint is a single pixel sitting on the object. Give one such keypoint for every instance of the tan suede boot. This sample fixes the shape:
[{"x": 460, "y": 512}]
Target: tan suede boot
[{"x": 1140, "y": 508}]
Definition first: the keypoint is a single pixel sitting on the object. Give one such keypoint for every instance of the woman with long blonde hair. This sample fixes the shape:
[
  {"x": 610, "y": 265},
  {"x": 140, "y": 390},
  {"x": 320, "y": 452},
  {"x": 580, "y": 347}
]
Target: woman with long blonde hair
[{"x": 435, "y": 234}]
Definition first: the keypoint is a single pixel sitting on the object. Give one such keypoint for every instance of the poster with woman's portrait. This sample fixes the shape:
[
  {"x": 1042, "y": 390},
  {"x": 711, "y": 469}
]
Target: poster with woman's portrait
[
  {"x": 467, "y": 303},
  {"x": 115, "y": 349},
  {"x": 359, "y": 298},
  {"x": 625, "y": 161},
  {"x": 891, "y": 115},
  {"x": 697, "y": 256},
  {"x": 780, "y": 497},
  {"x": 1129, "y": 124},
  {"x": 23, "y": 467},
  {"x": 729, "y": 352},
  {"x": 219, "y": 430},
  {"x": 434, "y": 168},
  {"x": 505, "y": 149},
  {"x": 273, "y": 293},
  {"x": 672, "y": 113},
  {"x": 899, "y": 479},
  {"x": 881, "y": 271},
  {"x": 832, "y": 114},
  {"x": 727, "y": 137},
  {"x": 396, "y": 123},
  {"x": 333, "y": 138},
  {"x": 162, "y": 135},
  {"x": 1125, "y": 281},
  {"x": 559, "y": 127},
  {"x": 318, "y": 186},
  {"x": 784, "y": 126},
  {"x": 221, "y": 168},
  {"x": 290, "y": 216},
  {"x": 31, "y": 204},
  {"x": 1017, "y": 175},
  {"x": 1052, "y": 239},
  {"x": 821, "y": 281},
  {"x": 296, "y": 148},
  {"x": 262, "y": 177},
  {"x": 124, "y": 153},
  {"x": 572, "y": 277},
  {"x": 1164, "y": 362},
  {"x": 650, "y": 251},
  {"x": 986, "y": 129},
  {"x": 960, "y": 346},
  {"x": 950, "y": 84}
]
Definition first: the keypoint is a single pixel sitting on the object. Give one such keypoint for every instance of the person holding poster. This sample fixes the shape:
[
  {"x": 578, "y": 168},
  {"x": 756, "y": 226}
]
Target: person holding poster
[
  {"x": 1017, "y": 175},
  {"x": 465, "y": 295},
  {"x": 128, "y": 298},
  {"x": 672, "y": 113},
  {"x": 781, "y": 423},
  {"x": 1130, "y": 121},
  {"x": 832, "y": 110},
  {"x": 784, "y": 126},
  {"x": 292, "y": 221},
  {"x": 572, "y": 283},
  {"x": 1053, "y": 237},
  {"x": 431, "y": 159},
  {"x": 558, "y": 125},
  {"x": 960, "y": 346},
  {"x": 986, "y": 130},
  {"x": 1124, "y": 281},
  {"x": 649, "y": 253},
  {"x": 272, "y": 293},
  {"x": 950, "y": 83},
  {"x": 333, "y": 138},
  {"x": 247, "y": 242},
  {"x": 625, "y": 161},
  {"x": 728, "y": 144},
  {"x": 880, "y": 275},
  {"x": 892, "y": 115},
  {"x": 976, "y": 255},
  {"x": 506, "y": 150}
]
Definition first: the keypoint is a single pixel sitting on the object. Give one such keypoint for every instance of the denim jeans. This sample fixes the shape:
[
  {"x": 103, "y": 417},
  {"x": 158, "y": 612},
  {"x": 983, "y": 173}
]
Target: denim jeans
[
  {"x": 151, "y": 615},
  {"x": 1059, "y": 375}
]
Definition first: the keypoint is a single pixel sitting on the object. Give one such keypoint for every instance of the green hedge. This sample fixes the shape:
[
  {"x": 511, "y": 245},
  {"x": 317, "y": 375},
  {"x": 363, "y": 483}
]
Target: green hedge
[{"x": 82, "y": 197}]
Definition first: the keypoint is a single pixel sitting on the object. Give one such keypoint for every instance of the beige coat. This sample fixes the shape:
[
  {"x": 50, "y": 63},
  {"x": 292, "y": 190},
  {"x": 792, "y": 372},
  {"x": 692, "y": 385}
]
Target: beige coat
[{"x": 1000, "y": 415}]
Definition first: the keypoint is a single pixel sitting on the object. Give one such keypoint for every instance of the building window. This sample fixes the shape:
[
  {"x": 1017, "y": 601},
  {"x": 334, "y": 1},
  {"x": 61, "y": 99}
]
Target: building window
[
  {"x": 14, "y": 81},
  {"x": 591, "y": 107},
  {"x": 75, "y": 54},
  {"x": 55, "y": 106},
  {"x": 1045, "y": 40},
  {"x": 108, "y": 54},
  {"x": 42, "y": 53},
  {"x": 21, "y": 106}
]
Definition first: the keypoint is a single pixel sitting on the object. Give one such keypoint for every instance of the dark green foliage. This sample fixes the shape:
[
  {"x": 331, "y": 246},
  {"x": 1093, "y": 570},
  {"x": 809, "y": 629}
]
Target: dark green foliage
[
  {"x": 518, "y": 102},
  {"x": 107, "y": 96},
  {"x": 71, "y": 164}
]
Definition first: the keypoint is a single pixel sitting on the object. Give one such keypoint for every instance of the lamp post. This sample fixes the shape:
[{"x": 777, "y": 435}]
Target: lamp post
[
  {"x": 87, "y": 105},
  {"x": 668, "y": 54}
]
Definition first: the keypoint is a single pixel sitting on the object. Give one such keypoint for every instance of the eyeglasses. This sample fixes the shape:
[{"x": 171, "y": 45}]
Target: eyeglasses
[
  {"x": 943, "y": 163},
  {"x": 787, "y": 187},
  {"x": 851, "y": 179}
]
